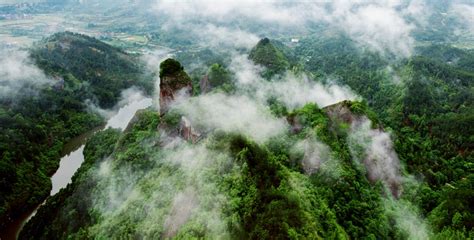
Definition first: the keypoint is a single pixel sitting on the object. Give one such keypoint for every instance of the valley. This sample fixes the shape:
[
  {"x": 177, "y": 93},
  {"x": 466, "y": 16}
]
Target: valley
[{"x": 236, "y": 120}]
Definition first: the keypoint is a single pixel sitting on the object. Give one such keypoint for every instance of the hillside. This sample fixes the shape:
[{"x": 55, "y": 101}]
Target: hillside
[
  {"x": 303, "y": 180},
  {"x": 270, "y": 57},
  {"x": 106, "y": 69},
  {"x": 219, "y": 165},
  {"x": 34, "y": 127},
  {"x": 237, "y": 120},
  {"x": 257, "y": 175},
  {"x": 427, "y": 101}
]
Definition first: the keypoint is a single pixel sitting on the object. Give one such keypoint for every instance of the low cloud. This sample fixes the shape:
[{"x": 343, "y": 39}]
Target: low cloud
[
  {"x": 379, "y": 25},
  {"x": 407, "y": 218},
  {"x": 296, "y": 91},
  {"x": 293, "y": 90},
  {"x": 239, "y": 114},
  {"x": 219, "y": 36},
  {"x": 19, "y": 74},
  {"x": 465, "y": 14},
  {"x": 227, "y": 11},
  {"x": 178, "y": 191},
  {"x": 314, "y": 154},
  {"x": 246, "y": 110},
  {"x": 373, "y": 148},
  {"x": 184, "y": 203}
]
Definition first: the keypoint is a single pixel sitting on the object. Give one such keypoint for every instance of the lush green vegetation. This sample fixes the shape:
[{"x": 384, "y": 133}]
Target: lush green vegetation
[
  {"x": 33, "y": 131},
  {"x": 263, "y": 190},
  {"x": 427, "y": 101},
  {"x": 218, "y": 77},
  {"x": 260, "y": 189},
  {"x": 270, "y": 57},
  {"x": 76, "y": 201},
  {"x": 70, "y": 202},
  {"x": 103, "y": 69},
  {"x": 147, "y": 183},
  {"x": 252, "y": 190},
  {"x": 172, "y": 69},
  {"x": 34, "y": 127}
]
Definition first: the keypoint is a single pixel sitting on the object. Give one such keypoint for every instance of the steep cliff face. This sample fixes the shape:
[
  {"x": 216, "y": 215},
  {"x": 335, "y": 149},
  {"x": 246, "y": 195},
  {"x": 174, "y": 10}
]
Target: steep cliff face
[
  {"x": 341, "y": 113},
  {"x": 174, "y": 83},
  {"x": 187, "y": 132},
  {"x": 204, "y": 84}
]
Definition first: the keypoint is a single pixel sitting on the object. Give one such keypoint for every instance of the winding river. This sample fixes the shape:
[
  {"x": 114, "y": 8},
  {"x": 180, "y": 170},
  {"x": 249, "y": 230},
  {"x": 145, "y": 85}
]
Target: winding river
[{"x": 73, "y": 158}]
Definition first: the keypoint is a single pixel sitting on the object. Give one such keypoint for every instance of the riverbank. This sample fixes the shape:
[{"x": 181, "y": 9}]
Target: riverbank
[{"x": 73, "y": 158}]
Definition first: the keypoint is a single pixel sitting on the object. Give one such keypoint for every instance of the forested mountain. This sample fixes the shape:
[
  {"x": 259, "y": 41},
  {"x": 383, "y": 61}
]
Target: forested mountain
[
  {"x": 316, "y": 178},
  {"x": 270, "y": 57},
  {"x": 35, "y": 127},
  {"x": 105, "y": 69},
  {"x": 428, "y": 105},
  {"x": 254, "y": 181},
  {"x": 263, "y": 119}
]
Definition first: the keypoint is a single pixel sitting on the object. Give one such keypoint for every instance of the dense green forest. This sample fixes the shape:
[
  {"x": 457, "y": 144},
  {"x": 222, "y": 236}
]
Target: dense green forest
[
  {"x": 34, "y": 127},
  {"x": 427, "y": 101},
  {"x": 267, "y": 55},
  {"x": 268, "y": 119},
  {"x": 104, "y": 69},
  {"x": 230, "y": 186}
]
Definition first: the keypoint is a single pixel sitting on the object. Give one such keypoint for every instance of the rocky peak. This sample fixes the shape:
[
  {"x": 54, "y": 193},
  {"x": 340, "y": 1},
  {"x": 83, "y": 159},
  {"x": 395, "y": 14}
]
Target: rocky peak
[
  {"x": 204, "y": 84},
  {"x": 341, "y": 112},
  {"x": 264, "y": 41},
  {"x": 174, "y": 83},
  {"x": 187, "y": 132}
]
